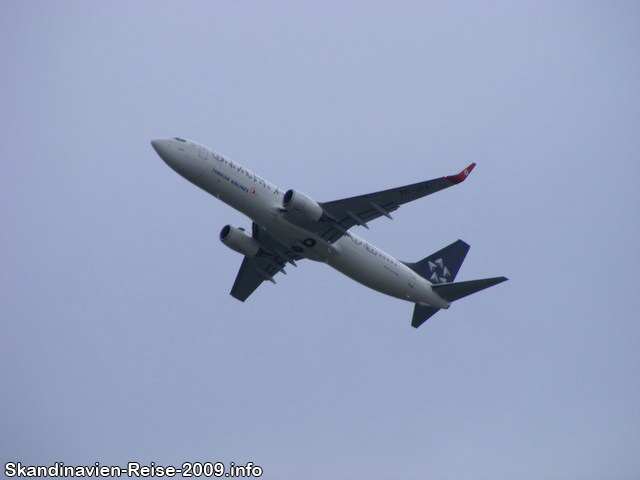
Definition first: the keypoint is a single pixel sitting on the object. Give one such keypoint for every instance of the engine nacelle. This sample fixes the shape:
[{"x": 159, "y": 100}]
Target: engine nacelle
[
  {"x": 239, "y": 240},
  {"x": 302, "y": 205}
]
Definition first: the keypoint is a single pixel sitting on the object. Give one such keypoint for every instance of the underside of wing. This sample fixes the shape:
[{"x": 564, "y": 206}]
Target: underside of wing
[
  {"x": 253, "y": 272},
  {"x": 270, "y": 259},
  {"x": 348, "y": 212}
]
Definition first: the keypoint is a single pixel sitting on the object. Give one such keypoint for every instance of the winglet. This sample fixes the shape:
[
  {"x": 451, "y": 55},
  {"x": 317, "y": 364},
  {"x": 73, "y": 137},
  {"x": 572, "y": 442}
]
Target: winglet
[{"x": 461, "y": 177}]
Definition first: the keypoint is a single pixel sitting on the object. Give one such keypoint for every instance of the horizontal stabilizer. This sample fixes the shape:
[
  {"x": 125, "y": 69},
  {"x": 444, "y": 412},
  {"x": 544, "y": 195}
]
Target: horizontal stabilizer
[
  {"x": 422, "y": 313},
  {"x": 457, "y": 290}
]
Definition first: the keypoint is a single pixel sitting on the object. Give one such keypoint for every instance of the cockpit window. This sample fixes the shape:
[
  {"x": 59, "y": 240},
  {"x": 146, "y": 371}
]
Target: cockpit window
[{"x": 180, "y": 139}]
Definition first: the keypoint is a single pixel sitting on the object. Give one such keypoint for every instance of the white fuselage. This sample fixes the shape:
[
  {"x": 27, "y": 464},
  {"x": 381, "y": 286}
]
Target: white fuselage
[{"x": 261, "y": 201}]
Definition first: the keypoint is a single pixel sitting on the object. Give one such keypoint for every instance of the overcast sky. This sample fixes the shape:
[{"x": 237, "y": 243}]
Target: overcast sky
[{"x": 119, "y": 340}]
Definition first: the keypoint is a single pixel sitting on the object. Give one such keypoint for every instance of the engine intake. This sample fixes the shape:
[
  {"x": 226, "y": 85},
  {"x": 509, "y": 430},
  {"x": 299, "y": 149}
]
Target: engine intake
[
  {"x": 302, "y": 205},
  {"x": 237, "y": 239}
]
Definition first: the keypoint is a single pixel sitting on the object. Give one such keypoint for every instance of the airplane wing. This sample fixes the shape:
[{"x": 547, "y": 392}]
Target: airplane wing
[
  {"x": 344, "y": 214},
  {"x": 271, "y": 259}
]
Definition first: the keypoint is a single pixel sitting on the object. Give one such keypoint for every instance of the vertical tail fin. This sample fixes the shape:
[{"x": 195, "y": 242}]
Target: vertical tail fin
[
  {"x": 442, "y": 266},
  {"x": 439, "y": 267}
]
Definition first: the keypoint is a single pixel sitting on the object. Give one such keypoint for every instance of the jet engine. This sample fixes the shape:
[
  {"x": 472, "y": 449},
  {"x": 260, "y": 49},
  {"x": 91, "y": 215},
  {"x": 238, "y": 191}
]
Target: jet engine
[
  {"x": 237, "y": 239},
  {"x": 302, "y": 205}
]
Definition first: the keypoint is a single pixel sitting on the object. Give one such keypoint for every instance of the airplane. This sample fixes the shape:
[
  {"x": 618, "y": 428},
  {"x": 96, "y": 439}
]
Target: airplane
[{"x": 288, "y": 226}]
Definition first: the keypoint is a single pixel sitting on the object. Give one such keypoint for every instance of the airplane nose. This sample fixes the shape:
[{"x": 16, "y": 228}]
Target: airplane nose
[
  {"x": 169, "y": 155},
  {"x": 163, "y": 149},
  {"x": 159, "y": 146}
]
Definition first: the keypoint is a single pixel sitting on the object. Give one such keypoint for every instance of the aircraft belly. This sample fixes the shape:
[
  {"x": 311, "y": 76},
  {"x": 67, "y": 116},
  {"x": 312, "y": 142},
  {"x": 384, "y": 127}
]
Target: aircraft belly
[
  {"x": 303, "y": 242},
  {"x": 374, "y": 271}
]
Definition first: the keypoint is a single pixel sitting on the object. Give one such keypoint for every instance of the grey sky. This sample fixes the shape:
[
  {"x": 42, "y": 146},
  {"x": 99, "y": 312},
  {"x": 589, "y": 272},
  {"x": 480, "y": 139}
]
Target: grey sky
[{"x": 118, "y": 339}]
